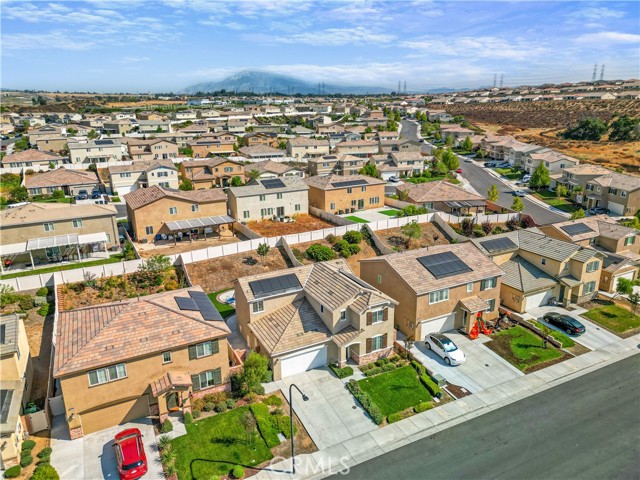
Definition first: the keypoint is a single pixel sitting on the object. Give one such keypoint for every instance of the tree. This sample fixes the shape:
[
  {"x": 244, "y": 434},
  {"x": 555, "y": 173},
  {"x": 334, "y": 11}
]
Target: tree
[
  {"x": 441, "y": 168},
  {"x": 255, "y": 371},
  {"x": 577, "y": 214},
  {"x": 438, "y": 152},
  {"x": 449, "y": 140},
  {"x": 493, "y": 194},
  {"x": 72, "y": 131},
  {"x": 540, "y": 177},
  {"x": 625, "y": 129},
  {"x": 186, "y": 184},
  {"x": 411, "y": 231},
  {"x": 254, "y": 174},
  {"x": 588, "y": 129},
  {"x": 634, "y": 299},
  {"x": 92, "y": 134},
  {"x": 21, "y": 144},
  {"x": 467, "y": 144},
  {"x": 517, "y": 205},
  {"x": 57, "y": 194},
  {"x": 128, "y": 252},
  {"x": 263, "y": 250},
  {"x": 159, "y": 129},
  {"x": 18, "y": 194},
  {"x": 370, "y": 170},
  {"x": 249, "y": 425},
  {"x": 368, "y": 130},
  {"x": 236, "y": 181},
  {"x": 450, "y": 159},
  {"x": 467, "y": 225},
  {"x": 403, "y": 195},
  {"x": 561, "y": 191},
  {"x": 624, "y": 286},
  {"x": 186, "y": 151}
]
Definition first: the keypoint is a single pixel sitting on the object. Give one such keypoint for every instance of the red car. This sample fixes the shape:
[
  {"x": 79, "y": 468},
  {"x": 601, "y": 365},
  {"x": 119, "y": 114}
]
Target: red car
[
  {"x": 129, "y": 449},
  {"x": 459, "y": 170}
]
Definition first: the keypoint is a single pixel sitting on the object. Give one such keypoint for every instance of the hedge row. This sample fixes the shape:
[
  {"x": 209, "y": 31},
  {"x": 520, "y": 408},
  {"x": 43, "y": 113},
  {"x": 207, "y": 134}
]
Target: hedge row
[
  {"x": 377, "y": 370},
  {"x": 282, "y": 423},
  {"x": 419, "y": 367},
  {"x": 341, "y": 372},
  {"x": 265, "y": 424},
  {"x": 430, "y": 385},
  {"x": 422, "y": 407},
  {"x": 365, "y": 400}
]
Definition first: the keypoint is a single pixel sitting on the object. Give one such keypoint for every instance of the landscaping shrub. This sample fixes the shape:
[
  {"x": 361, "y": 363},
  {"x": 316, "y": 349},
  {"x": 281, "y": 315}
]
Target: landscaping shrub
[
  {"x": 13, "y": 472},
  {"x": 163, "y": 442},
  {"x": 215, "y": 397},
  {"x": 341, "y": 372},
  {"x": 251, "y": 397},
  {"x": 394, "y": 417},
  {"x": 320, "y": 253},
  {"x": 418, "y": 367},
  {"x": 209, "y": 406},
  {"x": 231, "y": 403},
  {"x": 341, "y": 245},
  {"x": 25, "y": 302},
  {"x": 28, "y": 445},
  {"x": 381, "y": 361},
  {"x": 373, "y": 371},
  {"x": 282, "y": 423},
  {"x": 265, "y": 425},
  {"x": 39, "y": 301},
  {"x": 237, "y": 471},
  {"x": 512, "y": 224},
  {"x": 354, "y": 249},
  {"x": 395, "y": 359},
  {"x": 422, "y": 407},
  {"x": 196, "y": 414},
  {"x": 432, "y": 386},
  {"x": 345, "y": 253},
  {"x": 42, "y": 292},
  {"x": 26, "y": 461},
  {"x": 45, "y": 309},
  {"x": 479, "y": 234},
  {"x": 364, "y": 400},
  {"x": 167, "y": 426},
  {"x": 188, "y": 418},
  {"x": 497, "y": 230},
  {"x": 526, "y": 221},
  {"x": 331, "y": 238},
  {"x": 45, "y": 472},
  {"x": 273, "y": 400},
  {"x": 353, "y": 237},
  {"x": 25, "y": 453},
  {"x": 197, "y": 404},
  {"x": 388, "y": 367},
  {"x": 278, "y": 411},
  {"x": 45, "y": 452},
  {"x": 220, "y": 407}
]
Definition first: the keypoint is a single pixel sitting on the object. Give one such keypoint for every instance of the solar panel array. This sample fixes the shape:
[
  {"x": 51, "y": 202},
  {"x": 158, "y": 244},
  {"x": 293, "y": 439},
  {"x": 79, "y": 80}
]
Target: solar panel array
[
  {"x": 443, "y": 265},
  {"x": 273, "y": 183},
  {"x": 274, "y": 286},
  {"x": 186, "y": 304},
  {"x": 577, "y": 229},
  {"x": 349, "y": 183},
  {"x": 104, "y": 142},
  {"x": 199, "y": 302},
  {"x": 498, "y": 245}
]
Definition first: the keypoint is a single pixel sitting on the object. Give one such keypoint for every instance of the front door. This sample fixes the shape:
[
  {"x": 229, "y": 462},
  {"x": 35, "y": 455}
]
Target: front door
[
  {"x": 561, "y": 296},
  {"x": 361, "y": 204},
  {"x": 347, "y": 353},
  {"x": 172, "y": 401},
  {"x": 465, "y": 318}
]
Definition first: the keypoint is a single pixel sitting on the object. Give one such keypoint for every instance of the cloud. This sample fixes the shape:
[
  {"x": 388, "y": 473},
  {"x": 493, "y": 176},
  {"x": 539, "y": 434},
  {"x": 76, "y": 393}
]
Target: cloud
[
  {"x": 56, "y": 40},
  {"x": 595, "y": 13},
  {"x": 134, "y": 59},
  {"x": 484, "y": 47},
  {"x": 333, "y": 37},
  {"x": 608, "y": 38}
]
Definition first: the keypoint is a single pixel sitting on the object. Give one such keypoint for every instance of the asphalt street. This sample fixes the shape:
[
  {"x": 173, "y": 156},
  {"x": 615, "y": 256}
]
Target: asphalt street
[
  {"x": 587, "y": 428},
  {"x": 481, "y": 181}
]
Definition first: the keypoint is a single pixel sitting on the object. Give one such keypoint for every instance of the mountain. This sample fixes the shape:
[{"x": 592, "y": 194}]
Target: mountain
[{"x": 264, "y": 82}]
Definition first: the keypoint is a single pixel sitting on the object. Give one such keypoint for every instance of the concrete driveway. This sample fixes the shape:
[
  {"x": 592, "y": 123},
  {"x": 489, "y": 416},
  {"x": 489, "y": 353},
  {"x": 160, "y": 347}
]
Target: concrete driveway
[
  {"x": 92, "y": 456},
  {"x": 331, "y": 415},
  {"x": 483, "y": 368},
  {"x": 594, "y": 337}
]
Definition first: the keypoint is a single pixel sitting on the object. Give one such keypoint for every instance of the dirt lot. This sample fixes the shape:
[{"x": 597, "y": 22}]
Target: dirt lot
[
  {"x": 168, "y": 248},
  {"x": 430, "y": 236},
  {"x": 354, "y": 260},
  {"x": 219, "y": 273},
  {"x": 303, "y": 223}
]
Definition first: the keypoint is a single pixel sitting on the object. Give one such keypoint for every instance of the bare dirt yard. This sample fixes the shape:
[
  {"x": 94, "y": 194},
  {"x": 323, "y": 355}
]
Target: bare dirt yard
[
  {"x": 430, "y": 236},
  {"x": 303, "y": 223},
  {"x": 219, "y": 273},
  {"x": 167, "y": 247},
  {"x": 366, "y": 251}
]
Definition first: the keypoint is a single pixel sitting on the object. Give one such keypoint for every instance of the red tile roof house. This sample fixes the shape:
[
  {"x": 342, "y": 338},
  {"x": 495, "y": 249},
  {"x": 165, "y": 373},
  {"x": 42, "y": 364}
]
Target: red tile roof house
[
  {"x": 31, "y": 158},
  {"x": 69, "y": 181}
]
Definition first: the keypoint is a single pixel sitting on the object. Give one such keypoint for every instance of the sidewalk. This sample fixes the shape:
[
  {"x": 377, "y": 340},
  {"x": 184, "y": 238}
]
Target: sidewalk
[{"x": 359, "y": 449}]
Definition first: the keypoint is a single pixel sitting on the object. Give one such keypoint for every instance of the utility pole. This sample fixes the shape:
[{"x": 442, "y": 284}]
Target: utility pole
[
  {"x": 495, "y": 79},
  {"x": 405, "y": 87},
  {"x": 501, "y": 80},
  {"x": 602, "y": 73},
  {"x": 399, "y": 87},
  {"x": 595, "y": 71}
]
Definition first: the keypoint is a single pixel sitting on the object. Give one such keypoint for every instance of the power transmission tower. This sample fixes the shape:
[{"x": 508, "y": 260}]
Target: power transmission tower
[
  {"x": 501, "y": 80},
  {"x": 405, "y": 87},
  {"x": 602, "y": 73},
  {"x": 595, "y": 71},
  {"x": 399, "y": 87},
  {"x": 319, "y": 86},
  {"x": 495, "y": 79}
]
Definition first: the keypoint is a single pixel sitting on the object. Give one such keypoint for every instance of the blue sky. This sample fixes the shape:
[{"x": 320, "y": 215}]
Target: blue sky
[{"x": 139, "y": 45}]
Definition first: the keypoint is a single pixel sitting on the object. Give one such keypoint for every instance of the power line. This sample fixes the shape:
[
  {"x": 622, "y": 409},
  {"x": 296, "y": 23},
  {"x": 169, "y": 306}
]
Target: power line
[
  {"x": 405, "y": 87},
  {"x": 595, "y": 71},
  {"x": 501, "y": 80},
  {"x": 495, "y": 79},
  {"x": 602, "y": 73}
]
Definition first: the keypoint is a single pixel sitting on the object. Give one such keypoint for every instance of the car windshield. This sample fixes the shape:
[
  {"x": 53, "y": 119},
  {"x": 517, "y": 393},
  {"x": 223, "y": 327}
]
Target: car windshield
[
  {"x": 448, "y": 345},
  {"x": 572, "y": 321}
]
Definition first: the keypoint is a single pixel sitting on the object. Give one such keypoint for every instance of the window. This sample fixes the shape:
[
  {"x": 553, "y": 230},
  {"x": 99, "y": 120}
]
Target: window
[
  {"x": 492, "y": 305},
  {"x": 589, "y": 288},
  {"x": 543, "y": 261},
  {"x": 262, "y": 198},
  {"x": 613, "y": 191},
  {"x": 204, "y": 349},
  {"x": 228, "y": 169},
  {"x": 163, "y": 174},
  {"x": 469, "y": 287},
  {"x": 374, "y": 200},
  {"x": 377, "y": 316},
  {"x": 593, "y": 266},
  {"x": 630, "y": 240},
  {"x": 623, "y": 194},
  {"x": 354, "y": 203},
  {"x": 125, "y": 175},
  {"x": 376, "y": 343},
  {"x": 195, "y": 208},
  {"x": 245, "y": 214},
  {"x": 77, "y": 223},
  {"x": 349, "y": 190},
  {"x": 166, "y": 357},
  {"x": 206, "y": 379},
  {"x": 343, "y": 314},
  {"x": 332, "y": 206},
  {"x": 321, "y": 308},
  {"x": 439, "y": 296},
  {"x": 297, "y": 207},
  {"x": 257, "y": 307},
  {"x": 266, "y": 211},
  {"x": 107, "y": 374},
  {"x": 278, "y": 196},
  {"x": 379, "y": 278},
  {"x": 363, "y": 189},
  {"x": 164, "y": 184},
  {"x": 148, "y": 230},
  {"x": 488, "y": 283},
  {"x": 173, "y": 210},
  {"x": 48, "y": 227}
]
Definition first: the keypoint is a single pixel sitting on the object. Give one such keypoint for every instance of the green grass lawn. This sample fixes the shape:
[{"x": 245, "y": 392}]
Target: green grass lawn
[
  {"x": 53, "y": 200},
  {"x": 561, "y": 203},
  {"x": 614, "y": 317},
  {"x": 225, "y": 309},
  {"x": 509, "y": 173},
  {"x": 214, "y": 445},
  {"x": 389, "y": 213},
  {"x": 112, "y": 259},
  {"x": 396, "y": 390},
  {"x": 567, "y": 341},
  {"x": 353, "y": 218},
  {"x": 431, "y": 179},
  {"x": 522, "y": 348}
]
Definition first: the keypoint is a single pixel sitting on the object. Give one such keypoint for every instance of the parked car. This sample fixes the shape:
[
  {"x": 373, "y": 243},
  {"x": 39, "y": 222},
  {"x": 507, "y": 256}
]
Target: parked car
[
  {"x": 129, "y": 450},
  {"x": 520, "y": 193},
  {"x": 526, "y": 178},
  {"x": 459, "y": 170},
  {"x": 490, "y": 164},
  {"x": 96, "y": 194},
  {"x": 82, "y": 195},
  {"x": 393, "y": 178},
  {"x": 565, "y": 322},
  {"x": 468, "y": 160},
  {"x": 444, "y": 346},
  {"x": 599, "y": 211},
  {"x": 522, "y": 183}
]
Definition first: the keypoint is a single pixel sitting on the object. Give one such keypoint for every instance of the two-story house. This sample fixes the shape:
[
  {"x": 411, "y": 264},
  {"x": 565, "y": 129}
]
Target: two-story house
[
  {"x": 553, "y": 160},
  {"x": 261, "y": 152},
  {"x": 342, "y": 164},
  {"x": 357, "y": 148},
  {"x": 439, "y": 288},
  {"x": 50, "y": 143},
  {"x": 271, "y": 169},
  {"x": 69, "y": 181},
  {"x": 402, "y": 145},
  {"x": 617, "y": 192},
  {"x": 121, "y": 361},
  {"x": 269, "y": 139},
  {"x": 303, "y": 148},
  {"x": 153, "y": 149},
  {"x": 456, "y": 131},
  {"x": 444, "y": 197},
  {"x": 306, "y": 317},
  {"x": 268, "y": 198},
  {"x": 96, "y": 151},
  {"x": 212, "y": 172},
  {"x": 143, "y": 174},
  {"x": 343, "y": 194},
  {"x": 575, "y": 180}
]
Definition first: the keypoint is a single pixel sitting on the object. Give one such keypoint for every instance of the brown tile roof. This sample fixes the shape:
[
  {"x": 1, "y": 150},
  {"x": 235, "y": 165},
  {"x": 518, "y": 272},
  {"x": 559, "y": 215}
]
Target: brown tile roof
[
  {"x": 438, "y": 191},
  {"x": 325, "y": 182},
  {"x": 208, "y": 162},
  {"x": 60, "y": 177},
  {"x": 601, "y": 225},
  {"x": 269, "y": 166},
  {"x": 30, "y": 155},
  {"x": 474, "y": 304},
  {"x": 48, "y": 212},
  {"x": 347, "y": 334},
  {"x": 255, "y": 149},
  {"x": 143, "y": 166},
  {"x": 144, "y": 196},
  {"x": 302, "y": 142},
  {"x": 101, "y": 335}
]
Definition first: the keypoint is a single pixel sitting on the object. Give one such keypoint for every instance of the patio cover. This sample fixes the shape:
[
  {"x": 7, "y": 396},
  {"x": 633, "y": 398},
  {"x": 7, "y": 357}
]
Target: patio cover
[
  {"x": 465, "y": 203},
  {"x": 171, "y": 381},
  {"x": 199, "y": 222},
  {"x": 13, "y": 249},
  {"x": 63, "y": 240}
]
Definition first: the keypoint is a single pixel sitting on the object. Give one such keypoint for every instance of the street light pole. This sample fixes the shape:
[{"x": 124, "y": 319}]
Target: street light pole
[{"x": 305, "y": 398}]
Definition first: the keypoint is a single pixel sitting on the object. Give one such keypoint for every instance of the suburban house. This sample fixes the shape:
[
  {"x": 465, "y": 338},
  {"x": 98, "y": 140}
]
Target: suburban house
[
  {"x": 69, "y": 181},
  {"x": 96, "y": 151},
  {"x": 329, "y": 128},
  {"x": 50, "y": 143},
  {"x": 402, "y": 145},
  {"x": 119, "y": 127},
  {"x": 153, "y": 149},
  {"x": 143, "y": 174},
  {"x": 383, "y": 135},
  {"x": 303, "y": 148},
  {"x": 443, "y": 196},
  {"x": 336, "y": 164},
  {"x": 306, "y": 317},
  {"x": 154, "y": 126},
  {"x": 15, "y": 386},
  {"x": 357, "y": 148},
  {"x": 343, "y": 194},
  {"x": 261, "y": 152},
  {"x": 439, "y": 288},
  {"x": 553, "y": 160},
  {"x": 540, "y": 269},
  {"x": 456, "y": 131},
  {"x": 268, "y": 198},
  {"x": 618, "y": 192},
  {"x": 399, "y": 164},
  {"x": 31, "y": 158},
  {"x": 118, "y": 362},
  {"x": 269, "y": 139},
  {"x": 212, "y": 172},
  {"x": 271, "y": 169},
  {"x": 576, "y": 178},
  {"x": 158, "y": 210}
]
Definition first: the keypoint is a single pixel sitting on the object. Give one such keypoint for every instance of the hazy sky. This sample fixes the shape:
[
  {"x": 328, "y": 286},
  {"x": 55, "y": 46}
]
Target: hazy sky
[{"x": 136, "y": 46}]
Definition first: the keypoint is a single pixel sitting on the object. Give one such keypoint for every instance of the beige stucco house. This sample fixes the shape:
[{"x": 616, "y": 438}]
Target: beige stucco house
[
  {"x": 268, "y": 198},
  {"x": 143, "y": 174},
  {"x": 343, "y": 194}
]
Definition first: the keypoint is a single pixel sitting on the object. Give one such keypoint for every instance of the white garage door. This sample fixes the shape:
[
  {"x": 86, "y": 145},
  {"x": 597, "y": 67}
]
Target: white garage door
[
  {"x": 304, "y": 360},
  {"x": 124, "y": 190},
  {"x": 628, "y": 275},
  {"x": 538, "y": 299},
  {"x": 438, "y": 325},
  {"x": 616, "y": 208}
]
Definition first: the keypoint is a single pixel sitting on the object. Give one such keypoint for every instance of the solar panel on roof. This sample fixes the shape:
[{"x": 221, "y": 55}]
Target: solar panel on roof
[
  {"x": 104, "y": 142},
  {"x": 207, "y": 309},
  {"x": 443, "y": 265},
  {"x": 273, "y": 183},
  {"x": 498, "y": 245},
  {"x": 274, "y": 286},
  {"x": 349, "y": 183},
  {"x": 577, "y": 229},
  {"x": 186, "y": 303}
]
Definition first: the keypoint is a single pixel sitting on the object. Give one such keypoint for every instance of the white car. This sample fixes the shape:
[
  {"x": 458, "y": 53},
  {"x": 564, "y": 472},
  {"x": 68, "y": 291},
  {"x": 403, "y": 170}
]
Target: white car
[
  {"x": 444, "y": 346},
  {"x": 394, "y": 179},
  {"x": 520, "y": 193}
]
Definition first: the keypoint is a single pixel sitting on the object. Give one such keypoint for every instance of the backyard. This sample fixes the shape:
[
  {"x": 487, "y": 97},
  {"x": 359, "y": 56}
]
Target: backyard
[
  {"x": 614, "y": 317},
  {"x": 366, "y": 251},
  {"x": 396, "y": 390},
  {"x": 168, "y": 247},
  {"x": 355, "y": 219},
  {"x": 303, "y": 223},
  {"x": 225, "y": 309},
  {"x": 68, "y": 266},
  {"x": 430, "y": 235},
  {"x": 561, "y": 203}
]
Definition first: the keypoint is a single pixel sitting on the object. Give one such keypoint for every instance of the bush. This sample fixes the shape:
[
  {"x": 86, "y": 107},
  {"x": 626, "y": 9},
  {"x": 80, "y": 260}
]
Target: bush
[
  {"x": 115, "y": 199},
  {"x": 209, "y": 406},
  {"x": 422, "y": 407},
  {"x": 196, "y": 414},
  {"x": 353, "y": 237},
  {"x": 354, "y": 249},
  {"x": 231, "y": 403},
  {"x": 394, "y": 417},
  {"x": 164, "y": 441},
  {"x": 40, "y": 301},
  {"x": 388, "y": 367},
  {"x": 331, "y": 238},
  {"x": 419, "y": 367},
  {"x": 265, "y": 425},
  {"x": 526, "y": 221},
  {"x": 45, "y": 309},
  {"x": 512, "y": 224},
  {"x": 44, "y": 461},
  {"x": 282, "y": 424},
  {"x": 197, "y": 404},
  {"x": 381, "y": 361},
  {"x": 45, "y": 452},
  {"x": 341, "y": 245},
  {"x": 364, "y": 400},
  {"x": 373, "y": 371},
  {"x": 45, "y": 472},
  {"x": 432, "y": 386},
  {"x": 237, "y": 471},
  {"x": 28, "y": 445},
  {"x": 26, "y": 461},
  {"x": 273, "y": 400},
  {"x": 25, "y": 302},
  {"x": 42, "y": 292},
  {"x": 167, "y": 426},
  {"x": 13, "y": 472},
  {"x": 188, "y": 418},
  {"x": 319, "y": 253},
  {"x": 220, "y": 407},
  {"x": 497, "y": 230},
  {"x": 341, "y": 372},
  {"x": 251, "y": 397}
]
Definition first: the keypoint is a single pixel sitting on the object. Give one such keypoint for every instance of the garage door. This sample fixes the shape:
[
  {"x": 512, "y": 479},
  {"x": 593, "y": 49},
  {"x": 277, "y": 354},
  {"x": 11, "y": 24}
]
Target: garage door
[
  {"x": 115, "y": 415},
  {"x": 538, "y": 299},
  {"x": 628, "y": 275},
  {"x": 304, "y": 360},
  {"x": 438, "y": 325},
  {"x": 616, "y": 208},
  {"x": 124, "y": 190}
]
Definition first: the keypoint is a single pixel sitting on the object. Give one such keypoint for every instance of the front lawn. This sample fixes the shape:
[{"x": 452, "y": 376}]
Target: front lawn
[
  {"x": 509, "y": 173},
  {"x": 353, "y": 218},
  {"x": 212, "y": 447},
  {"x": 561, "y": 203},
  {"x": 389, "y": 213},
  {"x": 522, "y": 348},
  {"x": 566, "y": 340},
  {"x": 396, "y": 390},
  {"x": 613, "y": 317},
  {"x": 225, "y": 309}
]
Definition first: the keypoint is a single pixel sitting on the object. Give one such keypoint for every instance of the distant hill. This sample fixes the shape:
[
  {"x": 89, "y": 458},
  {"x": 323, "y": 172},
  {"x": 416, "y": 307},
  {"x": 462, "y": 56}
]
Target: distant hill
[{"x": 264, "y": 82}]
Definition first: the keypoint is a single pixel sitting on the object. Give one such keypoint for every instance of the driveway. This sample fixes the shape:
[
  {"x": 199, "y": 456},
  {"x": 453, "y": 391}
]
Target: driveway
[
  {"x": 331, "y": 415},
  {"x": 483, "y": 368},
  {"x": 92, "y": 457},
  {"x": 594, "y": 337}
]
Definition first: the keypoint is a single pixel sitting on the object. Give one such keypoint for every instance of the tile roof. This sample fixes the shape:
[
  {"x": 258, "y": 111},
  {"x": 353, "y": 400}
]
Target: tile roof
[
  {"x": 438, "y": 191},
  {"x": 143, "y": 166},
  {"x": 474, "y": 304},
  {"x": 291, "y": 184},
  {"x": 621, "y": 181},
  {"x": 269, "y": 166},
  {"x": 43, "y": 212},
  {"x": 257, "y": 149},
  {"x": 307, "y": 142},
  {"x": 525, "y": 277},
  {"x": 144, "y": 196},
  {"x": 208, "y": 162},
  {"x": 102, "y": 335},
  {"x": 601, "y": 225},
  {"x": 325, "y": 182},
  {"x": 61, "y": 177},
  {"x": 31, "y": 155},
  {"x": 347, "y": 334}
]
